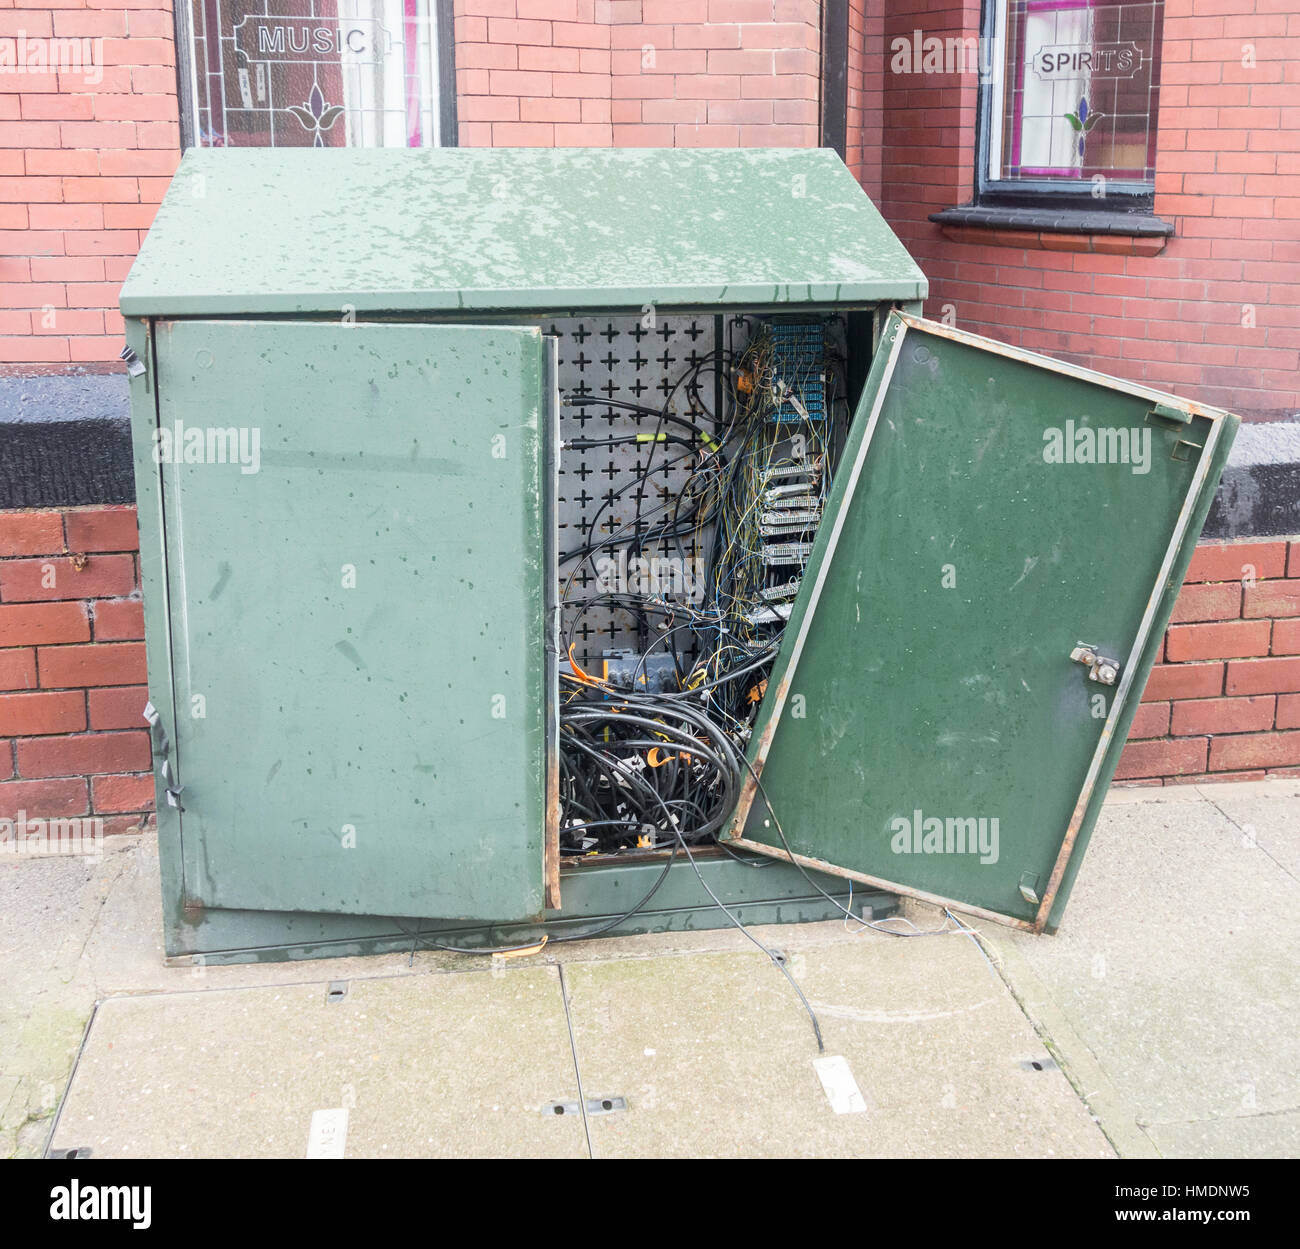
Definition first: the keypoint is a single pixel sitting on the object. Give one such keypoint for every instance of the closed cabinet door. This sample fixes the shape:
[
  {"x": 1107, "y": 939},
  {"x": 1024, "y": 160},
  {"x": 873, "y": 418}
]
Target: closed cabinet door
[{"x": 357, "y": 579}]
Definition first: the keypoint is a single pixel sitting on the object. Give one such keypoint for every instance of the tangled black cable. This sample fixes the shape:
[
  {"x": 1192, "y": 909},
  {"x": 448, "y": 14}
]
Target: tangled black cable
[
  {"x": 630, "y": 783},
  {"x": 641, "y": 771}
]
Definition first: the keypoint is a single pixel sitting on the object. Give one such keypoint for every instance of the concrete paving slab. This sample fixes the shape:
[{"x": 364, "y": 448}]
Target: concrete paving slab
[
  {"x": 1169, "y": 997},
  {"x": 1252, "y": 1136},
  {"x": 1275, "y": 787},
  {"x": 1128, "y": 794},
  {"x": 715, "y": 1055},
  {"x": 1174, "y": 974},
  {"x": 427, "y": 1066},
  {"x": 1267, "y": 813},
  {"x": 48, "y": 910},
  {"x": 74, "y": 930},
  {"x": 124, "y": 953},
  {"x": 790, "y": 937}
]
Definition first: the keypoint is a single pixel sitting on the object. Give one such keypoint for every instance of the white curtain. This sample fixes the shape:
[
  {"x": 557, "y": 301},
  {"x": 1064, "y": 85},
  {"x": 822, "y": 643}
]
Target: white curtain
[
  {"x": 1047, "y": 140},
  {"x": 390, "y": 93}
]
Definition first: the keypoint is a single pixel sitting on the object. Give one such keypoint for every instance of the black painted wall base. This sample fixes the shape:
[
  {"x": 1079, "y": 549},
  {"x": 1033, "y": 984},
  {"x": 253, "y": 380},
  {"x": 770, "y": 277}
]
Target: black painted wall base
[{"x": 67, "y": 443}]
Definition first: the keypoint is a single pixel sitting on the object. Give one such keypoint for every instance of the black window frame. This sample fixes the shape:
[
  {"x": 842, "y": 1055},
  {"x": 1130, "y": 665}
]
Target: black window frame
[
  {"x": 448, "y": 125},
  {"x": 1044, "y": 195}
]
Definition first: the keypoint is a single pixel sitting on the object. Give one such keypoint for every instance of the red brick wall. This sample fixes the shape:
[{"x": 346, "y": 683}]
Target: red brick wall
[
  {"x": 1216, "y": 315},
  {"x": 927, "y": 136},
  {"x": 865, "y": 98},
  {"x": 72, "y": 668},
  {"x": 1225, "y": 702},
  {"x": 532, "y": 73},
  {"x": 638, "y": 73},
  {"x": 82, "y": 166}
]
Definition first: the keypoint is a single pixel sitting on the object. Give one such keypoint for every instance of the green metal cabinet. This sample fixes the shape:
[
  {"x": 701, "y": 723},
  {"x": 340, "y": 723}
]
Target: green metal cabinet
[{"x": 344, "y": 403}]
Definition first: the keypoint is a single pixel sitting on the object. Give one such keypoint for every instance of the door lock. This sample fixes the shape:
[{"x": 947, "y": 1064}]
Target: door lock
[{"x": 1100, "y": 669}]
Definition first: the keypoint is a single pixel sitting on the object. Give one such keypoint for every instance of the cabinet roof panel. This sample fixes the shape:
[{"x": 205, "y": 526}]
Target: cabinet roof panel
[{"x": 509, "y": 229}]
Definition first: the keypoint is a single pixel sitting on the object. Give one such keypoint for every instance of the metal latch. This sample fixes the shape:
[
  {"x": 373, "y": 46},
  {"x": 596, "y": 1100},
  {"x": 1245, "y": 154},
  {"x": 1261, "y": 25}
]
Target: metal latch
[
  {"x": 134, "y": 365},
  {"x": 1104, "y": 671}
]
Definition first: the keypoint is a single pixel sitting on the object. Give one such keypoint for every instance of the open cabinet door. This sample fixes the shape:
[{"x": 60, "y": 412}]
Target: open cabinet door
[
  {"x": 987, "y": 593},
  {"x": 356, "y": 718}
]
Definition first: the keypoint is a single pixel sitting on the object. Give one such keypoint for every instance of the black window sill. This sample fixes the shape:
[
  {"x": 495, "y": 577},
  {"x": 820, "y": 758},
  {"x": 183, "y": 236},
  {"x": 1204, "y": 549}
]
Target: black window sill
[{"x": 1056, "y": 220}]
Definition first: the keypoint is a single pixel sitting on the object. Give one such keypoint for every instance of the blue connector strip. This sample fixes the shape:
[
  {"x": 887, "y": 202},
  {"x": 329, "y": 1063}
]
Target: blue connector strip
[{"x": 799, "y": 360}]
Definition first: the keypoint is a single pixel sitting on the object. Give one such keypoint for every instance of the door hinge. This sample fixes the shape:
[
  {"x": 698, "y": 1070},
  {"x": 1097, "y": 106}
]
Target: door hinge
[
  {"x": 134, "y": 365},
  {"x": 162, "y": 750},
  {"x": 1169, "y": 415},
  {"x": 1100, "y": 669}
]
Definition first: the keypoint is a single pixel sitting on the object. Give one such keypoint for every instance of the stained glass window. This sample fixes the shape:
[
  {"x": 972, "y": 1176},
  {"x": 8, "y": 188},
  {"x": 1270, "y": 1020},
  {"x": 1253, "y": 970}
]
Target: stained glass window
[
  {"x": 1074, "y": 91},
  {"x": 322, "y": 73}
]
